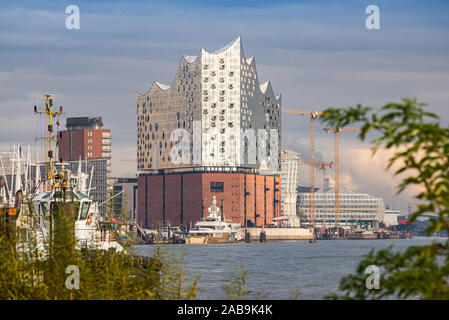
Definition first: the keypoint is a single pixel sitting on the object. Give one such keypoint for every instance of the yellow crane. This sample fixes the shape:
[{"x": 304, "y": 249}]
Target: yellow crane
[
  {"x": 323, "y": 166},
  {"x": 336, "y": 133},
  {"x": 313, "y": 116},
  {"x": 49, "y": 137}
]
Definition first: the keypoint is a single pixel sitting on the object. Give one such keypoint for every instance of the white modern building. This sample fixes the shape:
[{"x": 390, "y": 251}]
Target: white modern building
[
  {"x": 218, "y": 102},
  {"x": 391, "y": 217},
  {"x": 359, "y": 210},
  {"x": 289, "y": 182}
]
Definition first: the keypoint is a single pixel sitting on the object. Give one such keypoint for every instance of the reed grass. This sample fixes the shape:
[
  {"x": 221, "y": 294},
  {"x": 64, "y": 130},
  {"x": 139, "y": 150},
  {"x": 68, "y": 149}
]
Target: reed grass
[{"x": 110, "y": 275}]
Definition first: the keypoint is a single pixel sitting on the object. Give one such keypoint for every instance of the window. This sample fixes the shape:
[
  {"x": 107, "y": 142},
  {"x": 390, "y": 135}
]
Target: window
[
  {"x": 216, "y": 186},
  {"x": 84, "y": 210}
]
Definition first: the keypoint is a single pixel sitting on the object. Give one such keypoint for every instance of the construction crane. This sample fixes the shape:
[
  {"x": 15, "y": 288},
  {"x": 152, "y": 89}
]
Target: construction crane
[
  {"x": 313, "y": 116},
  {"x": 324, "y": 166},
  {"x": 336, "y": 132},
  {"x": 128, "y": 159}
]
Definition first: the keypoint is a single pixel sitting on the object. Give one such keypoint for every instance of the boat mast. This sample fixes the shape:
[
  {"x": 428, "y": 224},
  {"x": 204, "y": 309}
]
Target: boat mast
[{"x": 49, "y": 137}]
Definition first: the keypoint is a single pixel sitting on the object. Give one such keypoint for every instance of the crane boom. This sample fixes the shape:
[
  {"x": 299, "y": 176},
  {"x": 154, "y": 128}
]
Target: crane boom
[
  {"x": 313, "y": 116},
  {"x": 336, "y": 133},
  {"x": 323, "y": 166}
]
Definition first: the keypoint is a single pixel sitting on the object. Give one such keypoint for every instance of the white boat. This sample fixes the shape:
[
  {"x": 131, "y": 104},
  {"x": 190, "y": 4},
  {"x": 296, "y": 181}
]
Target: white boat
[
  {"x": 37, "y": 201},
  {"x": 214, "y": 228},
  {"x": 90, "y": 231}
]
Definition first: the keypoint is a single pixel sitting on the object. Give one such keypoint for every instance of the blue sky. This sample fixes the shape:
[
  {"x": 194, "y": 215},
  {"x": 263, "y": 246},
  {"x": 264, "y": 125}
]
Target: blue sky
[{"x": 317, "y": 54}]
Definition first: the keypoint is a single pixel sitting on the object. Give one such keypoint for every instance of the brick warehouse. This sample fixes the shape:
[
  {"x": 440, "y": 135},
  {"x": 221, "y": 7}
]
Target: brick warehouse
[{"x": 183, "y": 198}]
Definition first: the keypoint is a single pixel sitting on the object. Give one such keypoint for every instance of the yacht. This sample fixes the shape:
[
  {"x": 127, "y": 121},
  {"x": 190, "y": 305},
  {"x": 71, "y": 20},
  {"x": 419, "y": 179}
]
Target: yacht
[{"x": 214, "y": 229}]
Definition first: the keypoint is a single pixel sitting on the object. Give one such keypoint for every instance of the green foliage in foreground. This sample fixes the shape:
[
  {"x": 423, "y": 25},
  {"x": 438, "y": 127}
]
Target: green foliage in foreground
[
  {"x": 421, "y": 150},
  {"x": 236, "y": 288},
  {"x": 103, "y": 275}
]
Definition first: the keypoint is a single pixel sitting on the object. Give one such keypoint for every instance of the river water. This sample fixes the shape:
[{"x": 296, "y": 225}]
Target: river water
[{"x": 278, "y": 268}]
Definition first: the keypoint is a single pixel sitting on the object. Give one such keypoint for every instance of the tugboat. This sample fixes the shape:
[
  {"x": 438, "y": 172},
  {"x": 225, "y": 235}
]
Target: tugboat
[
  {"x": 60, "y": 189},
  {"x": 214, "y": 229}
]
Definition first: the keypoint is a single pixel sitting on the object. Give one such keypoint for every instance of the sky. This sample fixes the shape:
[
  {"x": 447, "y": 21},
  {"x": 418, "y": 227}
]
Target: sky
[{"x": 317, "y": 54}]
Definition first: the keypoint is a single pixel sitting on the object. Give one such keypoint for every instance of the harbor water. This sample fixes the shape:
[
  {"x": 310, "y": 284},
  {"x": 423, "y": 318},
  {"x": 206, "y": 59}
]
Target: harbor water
[{"x": 278, "y": 268}]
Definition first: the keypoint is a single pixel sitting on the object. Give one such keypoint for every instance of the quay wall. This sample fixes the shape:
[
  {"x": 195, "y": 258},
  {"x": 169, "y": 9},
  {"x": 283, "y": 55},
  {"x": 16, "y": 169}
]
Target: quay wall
[{"x": 281, "y": 233}]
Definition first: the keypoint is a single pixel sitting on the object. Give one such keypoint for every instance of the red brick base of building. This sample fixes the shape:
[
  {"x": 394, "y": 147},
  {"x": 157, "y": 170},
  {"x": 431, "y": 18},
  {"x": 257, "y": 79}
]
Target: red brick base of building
[{"x": 183, "y": 198}]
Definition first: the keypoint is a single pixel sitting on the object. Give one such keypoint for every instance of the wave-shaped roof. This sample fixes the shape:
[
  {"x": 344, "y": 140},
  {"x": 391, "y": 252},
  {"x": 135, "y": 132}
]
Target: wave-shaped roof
[
  {"x": 226, "y": 47},
  {"x": 264, "y": 86},
  {"x": 162, "y": 86},
  {"x": 192, "y": 59}
]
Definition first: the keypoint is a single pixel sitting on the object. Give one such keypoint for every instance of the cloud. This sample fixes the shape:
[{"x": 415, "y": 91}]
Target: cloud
[{"x": 367, "y": 173}]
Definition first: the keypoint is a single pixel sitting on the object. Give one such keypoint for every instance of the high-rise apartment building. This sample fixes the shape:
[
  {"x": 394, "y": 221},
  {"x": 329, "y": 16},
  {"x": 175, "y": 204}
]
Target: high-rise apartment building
[
  {"x": 289, "y": 178},
  {"x": 86, "y": 139},
  {"x": 214, "y": 132}
]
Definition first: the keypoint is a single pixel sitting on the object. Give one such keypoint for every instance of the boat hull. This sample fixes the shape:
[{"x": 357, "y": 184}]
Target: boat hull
[{"x": 209, "y": 239}]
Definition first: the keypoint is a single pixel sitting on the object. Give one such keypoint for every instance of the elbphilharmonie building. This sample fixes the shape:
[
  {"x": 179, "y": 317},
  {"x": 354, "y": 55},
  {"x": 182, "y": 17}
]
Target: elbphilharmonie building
[
  {"x": 217, "y": 96},
  {"x": 213, "y": 133}
]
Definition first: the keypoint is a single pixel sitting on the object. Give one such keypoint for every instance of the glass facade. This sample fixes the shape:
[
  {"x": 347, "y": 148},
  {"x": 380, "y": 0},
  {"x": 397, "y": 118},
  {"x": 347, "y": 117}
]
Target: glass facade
[
  {"x": 221, "y": 91},
  {"x": 356, "y": 209}
]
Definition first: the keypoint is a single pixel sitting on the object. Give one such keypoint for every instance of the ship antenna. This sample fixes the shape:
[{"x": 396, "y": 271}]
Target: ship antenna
[{"x": 49, "y": 137}]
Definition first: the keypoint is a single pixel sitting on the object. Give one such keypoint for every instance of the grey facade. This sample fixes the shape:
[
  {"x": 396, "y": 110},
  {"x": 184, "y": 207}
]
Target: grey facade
[
  {"x": 101, "y": 186},
  {"x": 125, "y": 197}
]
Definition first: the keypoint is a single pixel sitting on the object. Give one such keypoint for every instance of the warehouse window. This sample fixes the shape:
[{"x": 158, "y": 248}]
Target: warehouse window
[{"x": 216, "y": 186}]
